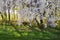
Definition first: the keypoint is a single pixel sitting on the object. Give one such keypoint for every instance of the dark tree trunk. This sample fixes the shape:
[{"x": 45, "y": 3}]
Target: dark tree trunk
[{"x": 41, "y": 24}]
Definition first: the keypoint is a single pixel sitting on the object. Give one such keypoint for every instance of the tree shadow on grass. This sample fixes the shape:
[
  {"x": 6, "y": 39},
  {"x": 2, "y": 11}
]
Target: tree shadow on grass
[{"x": 31, "y": 35}]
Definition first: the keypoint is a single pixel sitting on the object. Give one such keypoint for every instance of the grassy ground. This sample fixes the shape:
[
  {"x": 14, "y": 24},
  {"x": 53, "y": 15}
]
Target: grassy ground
[{"x": 9, "y": 33}]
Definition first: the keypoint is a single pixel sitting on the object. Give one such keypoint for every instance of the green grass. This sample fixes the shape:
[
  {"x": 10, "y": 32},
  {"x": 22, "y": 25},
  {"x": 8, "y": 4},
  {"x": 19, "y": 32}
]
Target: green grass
[{"x": 9, "y": 33}]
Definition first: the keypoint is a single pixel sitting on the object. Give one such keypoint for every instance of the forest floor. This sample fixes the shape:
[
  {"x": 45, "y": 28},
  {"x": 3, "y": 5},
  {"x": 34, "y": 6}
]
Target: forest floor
[{"x": 9, "y": 33}]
